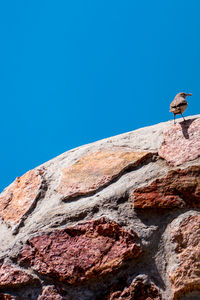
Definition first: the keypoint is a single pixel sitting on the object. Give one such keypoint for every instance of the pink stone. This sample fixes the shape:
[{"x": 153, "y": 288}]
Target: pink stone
[
  {"x": 181, "y": 142},
  {"x": 11, "y": 276}
]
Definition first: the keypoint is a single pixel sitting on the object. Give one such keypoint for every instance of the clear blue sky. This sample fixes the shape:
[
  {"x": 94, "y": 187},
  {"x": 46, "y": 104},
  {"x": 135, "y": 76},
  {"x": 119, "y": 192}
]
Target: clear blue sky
[{"x": 73, "y": 72}]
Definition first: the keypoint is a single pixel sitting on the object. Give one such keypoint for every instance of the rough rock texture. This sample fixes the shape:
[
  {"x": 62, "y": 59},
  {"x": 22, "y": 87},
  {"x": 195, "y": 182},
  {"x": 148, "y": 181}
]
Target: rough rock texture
[
  {"x": 51, "y": 293},
  {"x": 81, "y": 252},
  {"x": 11, "y": 276},
  {"x": 180, "y": 188},
  {"x": 137, "y": 290},
  {"x": 186, "y": 236},
  {"x": 115, "y": 219},
  {"x": 181, "y": 142}
]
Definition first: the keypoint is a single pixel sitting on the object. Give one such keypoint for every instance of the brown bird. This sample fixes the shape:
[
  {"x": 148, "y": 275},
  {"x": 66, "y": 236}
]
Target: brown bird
[{"x": 179, "y": 104}]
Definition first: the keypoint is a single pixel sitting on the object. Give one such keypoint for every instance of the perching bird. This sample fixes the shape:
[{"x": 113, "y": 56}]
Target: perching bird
[{"x": 179, "y": 104}]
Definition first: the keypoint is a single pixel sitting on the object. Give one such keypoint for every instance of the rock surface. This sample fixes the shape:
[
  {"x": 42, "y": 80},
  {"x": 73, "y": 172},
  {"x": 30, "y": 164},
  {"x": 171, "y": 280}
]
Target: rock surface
[
  {"x": 115, "y": 219},
  {"x": 11, "y": 276},
  {"x": 81, "y": 252},
  {"x": 51, "y": 293},
  {"x": 186, "y": 236},
  {"x": 96, "y": 170},
  {"x": 17, "y": 199},
  {"x": 180, "y": 188},
  {"x": 181, "y": 142},
  {"x": 137, "y": 290}
]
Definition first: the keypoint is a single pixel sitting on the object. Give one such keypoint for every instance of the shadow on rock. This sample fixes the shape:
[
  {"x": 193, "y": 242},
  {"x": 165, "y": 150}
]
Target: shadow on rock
[{"x": 185, "y": 126}]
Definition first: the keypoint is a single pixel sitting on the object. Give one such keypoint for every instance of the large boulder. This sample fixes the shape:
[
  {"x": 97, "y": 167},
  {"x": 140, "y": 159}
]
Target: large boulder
[{"x": 115, "y": 219}]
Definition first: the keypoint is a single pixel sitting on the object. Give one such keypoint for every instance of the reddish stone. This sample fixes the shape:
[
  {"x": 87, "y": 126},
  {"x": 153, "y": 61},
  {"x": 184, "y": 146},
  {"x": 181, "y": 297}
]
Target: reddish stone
[
  {"x": 180, "y": 188},
  {"x": 81, "y": 252},
  {"x": 19, "y": 197},
  {"x": 181, "y": 142},
  {"x": 11, "y": 276},
  {"x": 97, "y": 169},
  {"x": 186, "y": 277},
  {"x": 137, "y": 290},
  {"x": 51, "y": 293}
]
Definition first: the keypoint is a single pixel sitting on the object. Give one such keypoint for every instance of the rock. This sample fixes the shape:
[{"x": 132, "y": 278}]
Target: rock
[
  {"x": 180, "y": 188},
  {"x": 97, "y": 169},
  {"x": 115, "y": 219},
  {"x": 51, "y": 293},
  {"x": 181, "y": 142},
  {"x": 11, "y": 276},
  {"x": 18, "y": 199},
  {"x": 185, "y": 277},
  {"x": 137, "y": 290},
  {"x": 81, "y": 252}
]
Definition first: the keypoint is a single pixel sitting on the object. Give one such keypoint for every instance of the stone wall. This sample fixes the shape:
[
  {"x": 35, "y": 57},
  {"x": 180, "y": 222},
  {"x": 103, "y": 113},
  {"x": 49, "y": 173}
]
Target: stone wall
[{"x": 116, "y": 219}]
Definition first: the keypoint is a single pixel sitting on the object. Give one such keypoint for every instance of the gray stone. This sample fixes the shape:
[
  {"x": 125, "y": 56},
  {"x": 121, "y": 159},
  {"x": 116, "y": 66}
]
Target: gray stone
[{"x": 153, "y": 226}]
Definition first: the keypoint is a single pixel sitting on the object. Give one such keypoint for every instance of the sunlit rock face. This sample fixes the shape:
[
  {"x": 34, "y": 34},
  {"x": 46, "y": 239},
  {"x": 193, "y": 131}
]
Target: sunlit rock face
[
  {"x": 97, "y": 169},
  {"x": 18, "y": 198},
  {"x": 181, "y": 142},
  {"x": 116, "y": 219},
  {"x": 82, "y": 251},
  {"x": 180, "y": 188}
]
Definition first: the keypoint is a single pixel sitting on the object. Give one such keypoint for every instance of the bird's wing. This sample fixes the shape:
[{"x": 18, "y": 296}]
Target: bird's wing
[{"x": 178, "y": 103}]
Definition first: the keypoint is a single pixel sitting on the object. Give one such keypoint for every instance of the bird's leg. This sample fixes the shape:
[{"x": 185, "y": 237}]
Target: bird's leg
[
  {"x": 183, "y": 117},
  {"x": 174, "y": 118}
]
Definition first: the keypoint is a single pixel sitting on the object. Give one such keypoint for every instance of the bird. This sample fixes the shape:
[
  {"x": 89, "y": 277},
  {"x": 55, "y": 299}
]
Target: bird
[{"x": 179, "y": 104}]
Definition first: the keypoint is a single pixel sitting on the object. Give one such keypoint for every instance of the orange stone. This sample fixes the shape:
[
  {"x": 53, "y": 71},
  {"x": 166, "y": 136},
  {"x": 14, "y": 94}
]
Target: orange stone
[
  {"x": 97, "y": 169},
  {"x": 186, "y": 277},
  {"x": 18, "y": 198}
]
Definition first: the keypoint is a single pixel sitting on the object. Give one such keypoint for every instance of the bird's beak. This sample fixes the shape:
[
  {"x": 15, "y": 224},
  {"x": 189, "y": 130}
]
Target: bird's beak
[{"x": 188, "y": 94}]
